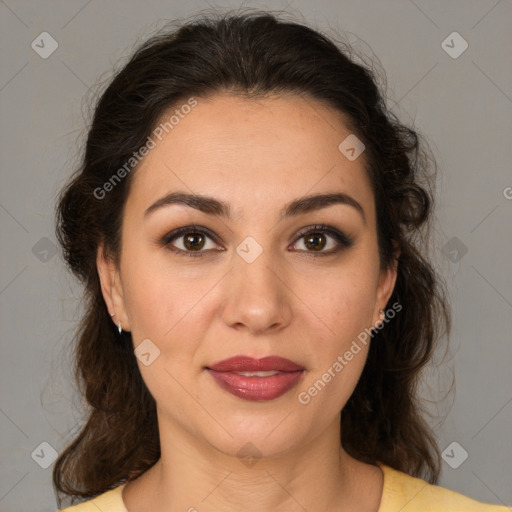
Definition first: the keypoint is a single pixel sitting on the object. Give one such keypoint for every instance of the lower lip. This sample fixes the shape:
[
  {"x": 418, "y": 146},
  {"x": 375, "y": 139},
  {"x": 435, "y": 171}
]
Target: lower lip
[{"x": 256, "y": 388}]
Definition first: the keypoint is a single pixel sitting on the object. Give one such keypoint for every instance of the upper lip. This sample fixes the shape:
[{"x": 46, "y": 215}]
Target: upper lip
[{"x": 250, "y": 364}]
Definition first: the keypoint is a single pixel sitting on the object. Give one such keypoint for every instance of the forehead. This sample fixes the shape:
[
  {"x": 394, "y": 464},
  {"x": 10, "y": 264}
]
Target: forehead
[{"x": 251, "y": 153}]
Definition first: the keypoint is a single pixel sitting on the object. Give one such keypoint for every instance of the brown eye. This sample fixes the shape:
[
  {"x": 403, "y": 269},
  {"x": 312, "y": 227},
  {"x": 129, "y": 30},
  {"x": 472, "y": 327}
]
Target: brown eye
[
  {"x": 321, "y": 237},
  {"x": 194, "y": 241},
  {"x": 190, "y": 241},
  {"x": 315, "y": 241}
]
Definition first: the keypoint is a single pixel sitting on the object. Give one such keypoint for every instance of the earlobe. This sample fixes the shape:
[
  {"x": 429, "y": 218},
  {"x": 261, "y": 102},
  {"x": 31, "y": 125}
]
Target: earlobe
[{"x": 111, "y": 288}]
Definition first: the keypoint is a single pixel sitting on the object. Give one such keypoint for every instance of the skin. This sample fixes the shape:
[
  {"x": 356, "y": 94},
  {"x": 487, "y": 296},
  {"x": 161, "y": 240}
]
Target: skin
[{"x": 257, "y": 156}]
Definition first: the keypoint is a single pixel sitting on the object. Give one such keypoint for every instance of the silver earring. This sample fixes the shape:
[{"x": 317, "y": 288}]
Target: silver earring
[{"x": 119, "y": 328}]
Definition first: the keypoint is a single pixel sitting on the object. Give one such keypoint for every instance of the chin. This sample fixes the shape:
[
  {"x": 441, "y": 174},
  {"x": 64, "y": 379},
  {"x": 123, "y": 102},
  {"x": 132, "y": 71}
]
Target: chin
[{"x": 253, "y": 439}]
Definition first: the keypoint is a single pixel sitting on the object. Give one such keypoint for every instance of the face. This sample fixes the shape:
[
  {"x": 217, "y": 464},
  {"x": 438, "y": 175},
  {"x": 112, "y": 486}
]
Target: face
[{"x": 260, "y": 279}]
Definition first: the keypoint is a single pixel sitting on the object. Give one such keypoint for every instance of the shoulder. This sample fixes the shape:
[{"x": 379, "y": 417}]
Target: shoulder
[
  {"x": 111, "y": 500},
  {"x": 410, "y": 494}
]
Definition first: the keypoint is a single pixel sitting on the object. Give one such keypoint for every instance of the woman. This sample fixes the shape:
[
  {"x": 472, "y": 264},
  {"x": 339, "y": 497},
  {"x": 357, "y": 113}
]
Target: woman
[{"x": 247, "y": 222}]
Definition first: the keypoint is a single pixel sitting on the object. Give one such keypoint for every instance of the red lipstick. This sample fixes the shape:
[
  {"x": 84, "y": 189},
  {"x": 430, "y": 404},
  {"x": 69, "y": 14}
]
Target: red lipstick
[{"x": 242, "y": 376}]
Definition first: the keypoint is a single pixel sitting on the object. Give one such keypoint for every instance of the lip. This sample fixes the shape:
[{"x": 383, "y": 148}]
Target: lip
[
  {"x": 250, "y": 364},
  {"x": 253, "y": 387}
]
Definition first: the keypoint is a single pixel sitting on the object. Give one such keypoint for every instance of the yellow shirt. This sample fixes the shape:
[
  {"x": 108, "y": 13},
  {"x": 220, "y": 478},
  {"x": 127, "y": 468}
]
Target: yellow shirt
[{"x": 401, "y": 493}]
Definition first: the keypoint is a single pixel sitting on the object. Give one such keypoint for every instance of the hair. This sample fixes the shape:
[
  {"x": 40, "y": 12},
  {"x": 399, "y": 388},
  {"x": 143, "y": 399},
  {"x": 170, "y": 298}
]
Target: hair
[{"x": 250, "y": 55}]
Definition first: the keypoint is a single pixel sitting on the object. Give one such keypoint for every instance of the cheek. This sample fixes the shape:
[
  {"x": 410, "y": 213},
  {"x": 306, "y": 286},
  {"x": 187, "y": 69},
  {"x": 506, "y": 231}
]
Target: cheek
[
  {"x": 337, "y": 369},
  {"x": 345, "y": 308},
  {"x": 164, "y": 308},
  {"x": 147, "y": 303},
  {"x": 158, "y": 296},
  {"x": 345, "y": 305}
]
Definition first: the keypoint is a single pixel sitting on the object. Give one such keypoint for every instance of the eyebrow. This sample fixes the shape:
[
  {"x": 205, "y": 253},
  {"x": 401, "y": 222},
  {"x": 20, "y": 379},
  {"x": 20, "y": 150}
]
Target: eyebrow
[{"x": 212, "y": 206}]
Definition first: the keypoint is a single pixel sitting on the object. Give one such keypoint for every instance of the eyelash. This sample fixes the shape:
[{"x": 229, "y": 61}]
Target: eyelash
[{"x": 343, "y": 240}]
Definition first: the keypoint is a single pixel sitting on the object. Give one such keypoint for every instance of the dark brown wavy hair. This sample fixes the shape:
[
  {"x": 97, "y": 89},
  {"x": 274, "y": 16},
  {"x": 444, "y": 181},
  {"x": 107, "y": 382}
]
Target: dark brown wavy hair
[{"x": 249, "y": 54}]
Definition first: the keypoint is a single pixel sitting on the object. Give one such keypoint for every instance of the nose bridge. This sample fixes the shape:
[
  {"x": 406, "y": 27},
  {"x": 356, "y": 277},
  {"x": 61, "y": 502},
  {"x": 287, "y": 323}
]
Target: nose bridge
[
  {"x": 253, "y": 264},
  {"x": 257, "y": 296}
]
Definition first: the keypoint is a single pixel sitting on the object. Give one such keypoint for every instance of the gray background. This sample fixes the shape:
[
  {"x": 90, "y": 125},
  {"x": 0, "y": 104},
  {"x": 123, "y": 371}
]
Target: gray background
[{"x": 463, "y": 106}]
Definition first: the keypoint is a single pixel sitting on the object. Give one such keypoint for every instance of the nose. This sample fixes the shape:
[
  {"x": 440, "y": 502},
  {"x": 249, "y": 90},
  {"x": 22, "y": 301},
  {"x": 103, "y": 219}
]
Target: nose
[{"x": 258, "y": 297}]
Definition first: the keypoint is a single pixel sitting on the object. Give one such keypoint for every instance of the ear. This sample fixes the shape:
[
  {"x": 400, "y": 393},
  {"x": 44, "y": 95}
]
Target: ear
[
  {"x": 386, "y": 286},
  {"x": 111, "y": 288}
]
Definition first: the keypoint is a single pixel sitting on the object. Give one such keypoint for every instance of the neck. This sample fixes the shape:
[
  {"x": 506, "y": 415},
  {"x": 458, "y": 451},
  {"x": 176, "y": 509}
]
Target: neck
[{"x": 194, "y": 476}]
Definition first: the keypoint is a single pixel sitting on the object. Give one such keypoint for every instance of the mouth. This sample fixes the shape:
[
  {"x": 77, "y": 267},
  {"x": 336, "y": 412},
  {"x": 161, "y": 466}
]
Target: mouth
[{"x": 256, "y": 379}]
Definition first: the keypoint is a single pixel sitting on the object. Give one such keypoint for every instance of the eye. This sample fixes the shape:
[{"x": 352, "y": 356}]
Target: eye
[
  {"x": 315, "y": 240},
  {"x": 196, "y": 240},
  {"x": 191, "y": 241}
]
